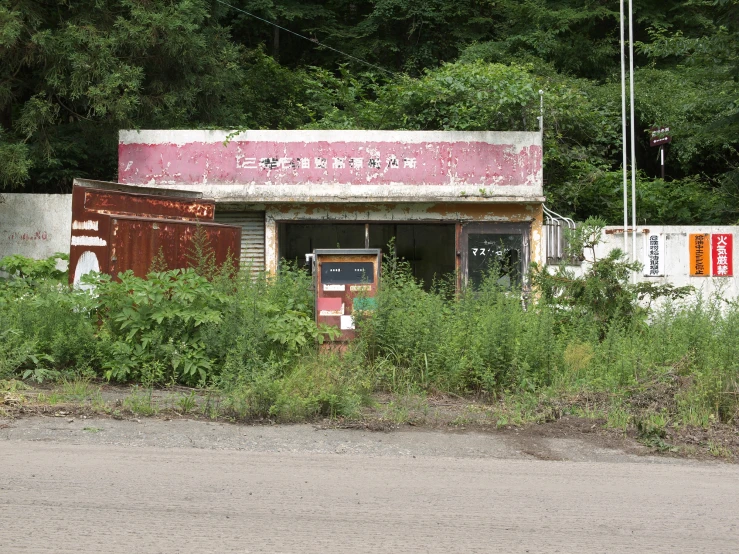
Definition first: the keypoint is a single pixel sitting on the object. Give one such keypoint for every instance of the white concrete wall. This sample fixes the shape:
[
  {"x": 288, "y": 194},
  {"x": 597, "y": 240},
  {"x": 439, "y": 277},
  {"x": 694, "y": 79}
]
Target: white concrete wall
[
  {"x": 676, "y": 256},
  {"x": 35, "y": 225}
]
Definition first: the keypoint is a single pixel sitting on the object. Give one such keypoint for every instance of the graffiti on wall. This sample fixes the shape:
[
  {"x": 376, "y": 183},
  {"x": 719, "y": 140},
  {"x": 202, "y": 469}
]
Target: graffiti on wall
[{"x": 19, "y": 236}]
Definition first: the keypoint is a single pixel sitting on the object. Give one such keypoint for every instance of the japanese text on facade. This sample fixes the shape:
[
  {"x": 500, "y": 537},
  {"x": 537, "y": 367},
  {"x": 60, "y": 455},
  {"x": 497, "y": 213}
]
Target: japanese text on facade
[
  {"x": 377, "y": 162},
  {"x": 711, "y": 255},
  {"x": 699, "y": 255}
]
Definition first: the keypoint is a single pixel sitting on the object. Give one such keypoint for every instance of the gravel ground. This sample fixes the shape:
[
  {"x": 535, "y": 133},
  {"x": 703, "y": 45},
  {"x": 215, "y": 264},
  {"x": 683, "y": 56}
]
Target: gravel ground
[
  {"x": 103, "y": 485},
  {"x": 316, "y": 439}
]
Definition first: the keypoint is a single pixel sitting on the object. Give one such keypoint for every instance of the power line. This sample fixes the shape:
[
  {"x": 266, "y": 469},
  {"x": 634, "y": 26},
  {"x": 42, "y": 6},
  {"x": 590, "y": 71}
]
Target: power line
[{"x": 314, "y": 41}]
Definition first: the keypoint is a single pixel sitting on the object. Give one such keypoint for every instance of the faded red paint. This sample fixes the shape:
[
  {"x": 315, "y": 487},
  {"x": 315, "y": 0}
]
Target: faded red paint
[{"x": 282, "y": 163}]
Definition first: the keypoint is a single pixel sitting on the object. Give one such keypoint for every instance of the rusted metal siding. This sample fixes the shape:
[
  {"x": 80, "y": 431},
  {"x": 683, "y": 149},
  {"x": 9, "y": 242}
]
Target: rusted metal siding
[
  {"x": 89, "y": 240},
  {"x": 140, "y": 205},
  {"x": 135, "y": 242},
  {"x": 98, "y": 245}
]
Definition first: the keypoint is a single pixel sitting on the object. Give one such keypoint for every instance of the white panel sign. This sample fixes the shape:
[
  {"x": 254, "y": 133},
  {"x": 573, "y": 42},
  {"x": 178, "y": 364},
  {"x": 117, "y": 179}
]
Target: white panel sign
[
  {"x": 654, "y": 255},
  {"x": 347, "y": 322},
  {"x": 334, "y": 288}
]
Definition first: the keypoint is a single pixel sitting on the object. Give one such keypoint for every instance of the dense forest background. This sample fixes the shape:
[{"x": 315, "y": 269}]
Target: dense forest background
[{"x": 73, "y": 72}]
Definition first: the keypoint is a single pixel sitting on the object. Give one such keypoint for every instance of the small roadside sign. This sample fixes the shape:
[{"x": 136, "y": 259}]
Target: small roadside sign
[
  {"x": 722, "y": 254},
  {"x": 654, "y": 255},
  {"x": 660, "y": 136},
  {"x": 700, "y": 254}
]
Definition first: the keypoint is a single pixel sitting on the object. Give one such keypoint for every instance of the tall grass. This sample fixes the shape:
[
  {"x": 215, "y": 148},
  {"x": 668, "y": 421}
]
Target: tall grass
[{"x": 260, "y": 350}]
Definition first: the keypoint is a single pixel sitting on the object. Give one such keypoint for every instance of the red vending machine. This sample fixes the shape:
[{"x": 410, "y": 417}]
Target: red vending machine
[{"x": 346, "y": 282}]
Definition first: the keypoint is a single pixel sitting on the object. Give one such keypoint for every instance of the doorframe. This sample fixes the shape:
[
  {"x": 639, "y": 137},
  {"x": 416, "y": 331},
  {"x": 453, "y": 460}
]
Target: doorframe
[{"x": 479, "y": 227}]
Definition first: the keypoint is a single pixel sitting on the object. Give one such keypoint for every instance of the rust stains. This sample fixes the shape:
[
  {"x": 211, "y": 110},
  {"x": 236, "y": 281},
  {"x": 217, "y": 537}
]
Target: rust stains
[
  {"x": 114, "y": 202},
  {"x": 116, "y": 228},
  {"x": 485, "y": 212}
]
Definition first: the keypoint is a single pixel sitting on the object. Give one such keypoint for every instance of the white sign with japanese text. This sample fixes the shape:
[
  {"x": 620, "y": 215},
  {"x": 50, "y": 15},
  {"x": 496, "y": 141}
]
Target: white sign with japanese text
[{"x": 654, "y": 255}]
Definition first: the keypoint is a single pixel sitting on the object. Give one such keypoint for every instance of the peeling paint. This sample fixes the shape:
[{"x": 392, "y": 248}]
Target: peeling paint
[
  {"x": 342, "y": 176},
  {"x": 270, "y": 243},
  {"x": 89, "y": 225},
  {"x": 87, "y": 263},
  {"x": 401, "y": 212},
  {"x": 87, "y": 240},
  {"x": 310, "y": 159}
]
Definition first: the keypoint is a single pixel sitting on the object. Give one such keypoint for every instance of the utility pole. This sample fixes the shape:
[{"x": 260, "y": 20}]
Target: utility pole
[
  {"x": 633, "y": 130},
  {"x": 623, "y": 129}
]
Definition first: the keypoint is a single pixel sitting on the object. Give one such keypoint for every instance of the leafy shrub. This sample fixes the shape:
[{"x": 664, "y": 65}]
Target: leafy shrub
[
  {"x": 31, "y": 270},
  {"x": 256, "y": 340},
  {"x": 603, "y": 295},
  {"x": 158, "y": 318},
  {"x": 44, "y": 325}
]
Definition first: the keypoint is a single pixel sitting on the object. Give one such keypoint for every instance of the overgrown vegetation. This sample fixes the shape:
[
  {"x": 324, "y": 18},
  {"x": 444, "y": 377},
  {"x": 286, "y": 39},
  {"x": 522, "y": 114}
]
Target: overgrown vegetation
[{"x": 253, "y": 344}]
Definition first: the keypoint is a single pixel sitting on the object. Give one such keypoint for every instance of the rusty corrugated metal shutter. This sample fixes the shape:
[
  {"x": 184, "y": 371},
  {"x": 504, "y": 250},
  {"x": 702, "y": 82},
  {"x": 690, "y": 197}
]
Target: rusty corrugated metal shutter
[{"x": 252, "y": 236}]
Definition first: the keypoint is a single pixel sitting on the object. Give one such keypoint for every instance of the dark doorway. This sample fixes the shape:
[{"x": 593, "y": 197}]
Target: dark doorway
[{"x": 429, "y": 248}]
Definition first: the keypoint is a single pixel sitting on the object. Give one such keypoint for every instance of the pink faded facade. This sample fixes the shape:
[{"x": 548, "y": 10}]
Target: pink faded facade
[
  {"x": 298, "y": 190},
  {"x": 318, "y": 162}
]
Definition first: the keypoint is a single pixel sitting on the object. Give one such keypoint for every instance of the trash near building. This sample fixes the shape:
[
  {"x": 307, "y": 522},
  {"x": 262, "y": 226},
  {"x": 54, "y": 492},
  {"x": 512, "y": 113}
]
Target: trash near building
[{"x": 448, "y": 201}]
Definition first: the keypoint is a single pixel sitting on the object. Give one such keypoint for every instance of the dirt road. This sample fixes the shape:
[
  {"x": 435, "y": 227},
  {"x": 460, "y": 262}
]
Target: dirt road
[{"x": 153, "y": 486}]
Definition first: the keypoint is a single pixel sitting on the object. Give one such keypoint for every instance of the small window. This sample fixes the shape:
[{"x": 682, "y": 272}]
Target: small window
[
  {"x": 501, "y": 253},
  {"x": 500, "y": 248}
]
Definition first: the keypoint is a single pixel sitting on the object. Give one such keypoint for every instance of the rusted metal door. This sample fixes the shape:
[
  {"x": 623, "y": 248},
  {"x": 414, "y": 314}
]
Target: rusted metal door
[{"x": 117, "y": 227}]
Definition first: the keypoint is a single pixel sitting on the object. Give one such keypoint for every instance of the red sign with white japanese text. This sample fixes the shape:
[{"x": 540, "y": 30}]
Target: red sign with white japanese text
[{"x": 721, "y": 255}]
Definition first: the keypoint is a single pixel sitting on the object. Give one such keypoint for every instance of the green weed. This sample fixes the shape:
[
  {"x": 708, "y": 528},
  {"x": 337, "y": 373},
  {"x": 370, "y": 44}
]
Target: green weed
[
  {"x": 139, "y": 402},
  {"x": 186, "y": 403},
  {"x": 618, "y": 418},
  {"x": 252, "y": 344},
  {"x": 79, "y": 390}
]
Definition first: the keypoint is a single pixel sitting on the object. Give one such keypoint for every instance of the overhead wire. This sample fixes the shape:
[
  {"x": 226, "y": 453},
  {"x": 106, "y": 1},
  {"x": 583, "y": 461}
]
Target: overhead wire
[{"x": 314, "y": 41}]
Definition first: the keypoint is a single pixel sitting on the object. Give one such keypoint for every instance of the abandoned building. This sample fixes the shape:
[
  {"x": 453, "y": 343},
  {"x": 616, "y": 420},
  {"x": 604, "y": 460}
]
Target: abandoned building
[{"x": 450, "y": 202}]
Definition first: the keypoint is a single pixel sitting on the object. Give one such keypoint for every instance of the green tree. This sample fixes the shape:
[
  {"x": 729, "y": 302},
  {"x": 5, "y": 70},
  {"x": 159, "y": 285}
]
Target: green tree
[
  {"x": 73, "y": 73},
  {"x": 693, "y": 86}
]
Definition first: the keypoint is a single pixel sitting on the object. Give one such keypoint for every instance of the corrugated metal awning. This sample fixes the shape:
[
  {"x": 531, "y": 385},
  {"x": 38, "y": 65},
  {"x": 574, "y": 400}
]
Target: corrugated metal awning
[{"x": 252, "y": 237}]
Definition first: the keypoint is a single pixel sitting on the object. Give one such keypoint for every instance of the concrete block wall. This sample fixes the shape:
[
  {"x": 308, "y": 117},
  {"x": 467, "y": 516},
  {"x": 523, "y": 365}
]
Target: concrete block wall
[
  {"x": 35, "y": 225},
  {"x": 676, "y": 256}
]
